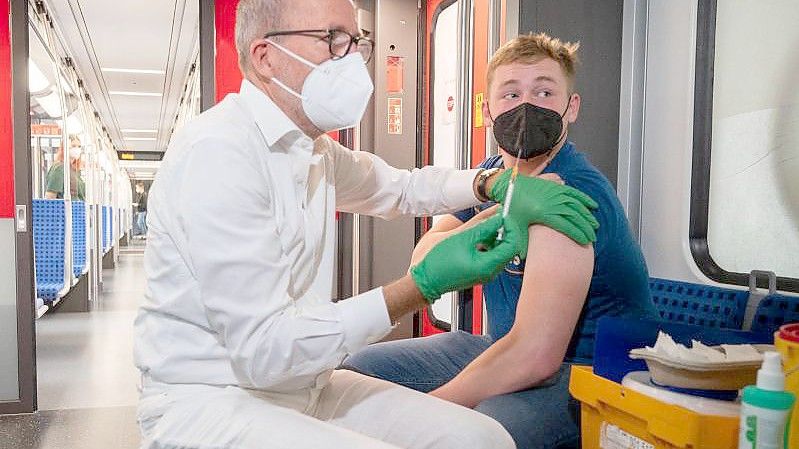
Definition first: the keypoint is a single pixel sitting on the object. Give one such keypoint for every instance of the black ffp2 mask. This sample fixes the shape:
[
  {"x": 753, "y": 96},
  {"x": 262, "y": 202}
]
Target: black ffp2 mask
[{"x": 527, "y": 130}]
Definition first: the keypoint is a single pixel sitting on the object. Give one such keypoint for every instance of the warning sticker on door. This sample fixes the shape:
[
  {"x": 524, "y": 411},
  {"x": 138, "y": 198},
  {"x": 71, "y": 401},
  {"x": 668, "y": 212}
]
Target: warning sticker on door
[
  {"x": 611, "y": 437},
  {"x": 478, "y": 110},
  {"x": 394, "y": 115},
  {"x": 395, "y": 72}
]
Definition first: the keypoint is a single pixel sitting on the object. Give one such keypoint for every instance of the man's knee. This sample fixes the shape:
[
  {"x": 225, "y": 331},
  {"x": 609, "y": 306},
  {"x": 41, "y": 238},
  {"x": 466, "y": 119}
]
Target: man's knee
[
  {"x": 532, "y": 424},
  {"x": 481, "y": 431}
]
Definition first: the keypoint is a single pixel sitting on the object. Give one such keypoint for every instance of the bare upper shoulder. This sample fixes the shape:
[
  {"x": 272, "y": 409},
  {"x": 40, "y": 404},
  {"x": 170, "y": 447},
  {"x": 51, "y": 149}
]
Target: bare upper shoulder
[{"x": 552, "y": 250}]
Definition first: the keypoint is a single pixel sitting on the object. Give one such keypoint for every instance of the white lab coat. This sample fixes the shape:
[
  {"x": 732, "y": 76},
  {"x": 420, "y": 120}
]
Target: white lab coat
[{"x": 239, "y": 259}]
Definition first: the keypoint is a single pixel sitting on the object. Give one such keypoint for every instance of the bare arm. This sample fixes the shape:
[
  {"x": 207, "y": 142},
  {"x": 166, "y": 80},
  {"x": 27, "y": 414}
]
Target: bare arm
[
  {"x": 556, "y": 279},
  {"x": 402, "y": 297}
]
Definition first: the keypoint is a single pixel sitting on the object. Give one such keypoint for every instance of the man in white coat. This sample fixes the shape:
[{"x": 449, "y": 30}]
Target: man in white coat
[{"x": 237, "y": 338}]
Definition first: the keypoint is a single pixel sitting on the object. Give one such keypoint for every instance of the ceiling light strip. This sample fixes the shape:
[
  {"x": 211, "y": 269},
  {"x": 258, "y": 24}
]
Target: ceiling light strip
[
  {"x": 135, "y": 94},
  {"x": 138, "y": 71}
]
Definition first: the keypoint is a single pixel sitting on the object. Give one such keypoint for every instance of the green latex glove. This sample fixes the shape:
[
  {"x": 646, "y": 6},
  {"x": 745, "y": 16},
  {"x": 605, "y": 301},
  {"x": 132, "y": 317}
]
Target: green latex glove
[
  {"x": 457, "y": 262},
  {"x": 540, "y": 201}
]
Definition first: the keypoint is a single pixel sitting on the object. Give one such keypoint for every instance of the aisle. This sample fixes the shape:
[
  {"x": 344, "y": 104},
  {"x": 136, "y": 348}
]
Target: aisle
[{"x": 86, "y": 378}]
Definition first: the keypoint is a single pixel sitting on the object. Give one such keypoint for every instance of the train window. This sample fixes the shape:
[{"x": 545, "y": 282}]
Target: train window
[
  {"x": 45, "y": 104},
  {"x": 745, "y": 192},
  {"x": 189, "y": 106},
  {"x": 57, "y": 120}
]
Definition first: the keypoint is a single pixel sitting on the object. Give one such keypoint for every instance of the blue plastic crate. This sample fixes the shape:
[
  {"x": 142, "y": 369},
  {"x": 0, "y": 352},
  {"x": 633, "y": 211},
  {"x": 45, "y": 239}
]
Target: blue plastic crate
[
  {"x": 615, "y": 337},
  {"x": 700, "y": 305}
]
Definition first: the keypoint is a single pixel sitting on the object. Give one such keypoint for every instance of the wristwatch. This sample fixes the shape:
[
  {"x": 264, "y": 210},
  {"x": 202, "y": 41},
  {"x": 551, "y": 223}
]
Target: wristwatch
[{"x": 481, "y": 179}]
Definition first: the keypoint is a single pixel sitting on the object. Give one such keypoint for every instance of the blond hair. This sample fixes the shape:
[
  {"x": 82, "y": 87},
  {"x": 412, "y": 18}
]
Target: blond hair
[{"x": 532, "y": 48}]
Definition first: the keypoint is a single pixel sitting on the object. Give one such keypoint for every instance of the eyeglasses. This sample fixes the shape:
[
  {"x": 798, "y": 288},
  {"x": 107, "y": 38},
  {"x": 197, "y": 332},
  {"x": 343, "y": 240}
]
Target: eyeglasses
[{"x": 339, "y": 41}]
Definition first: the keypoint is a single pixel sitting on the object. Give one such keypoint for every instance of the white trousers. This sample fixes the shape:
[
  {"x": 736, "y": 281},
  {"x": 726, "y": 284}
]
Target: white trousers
[{"x": 353, "y": 411}]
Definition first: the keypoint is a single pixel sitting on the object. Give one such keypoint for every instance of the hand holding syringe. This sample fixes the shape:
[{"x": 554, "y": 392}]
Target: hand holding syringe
[
  {"x": 508, "y": 196},
  {"x": 547, "y": 201},
  {"x": 553, "y": 177}
]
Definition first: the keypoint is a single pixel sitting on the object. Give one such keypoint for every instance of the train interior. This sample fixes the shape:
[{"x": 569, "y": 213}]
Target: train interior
[{"x": 689, "y": 108}]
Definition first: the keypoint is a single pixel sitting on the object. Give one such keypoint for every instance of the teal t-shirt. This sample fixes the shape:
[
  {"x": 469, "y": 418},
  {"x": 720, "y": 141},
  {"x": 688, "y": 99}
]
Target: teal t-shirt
[
  {"x": 55, "y": 182},
  {"x": 620, "y": 281}
]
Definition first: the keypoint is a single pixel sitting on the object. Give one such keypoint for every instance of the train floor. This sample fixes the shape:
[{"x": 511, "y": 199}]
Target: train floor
[{"x": 86, "y": 378}]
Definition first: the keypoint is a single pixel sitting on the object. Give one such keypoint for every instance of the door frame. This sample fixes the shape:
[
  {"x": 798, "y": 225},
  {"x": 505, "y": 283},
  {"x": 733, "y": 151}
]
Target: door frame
[
  {"x": 485, "y": 28},
  {"x": 16, "y": 41}
]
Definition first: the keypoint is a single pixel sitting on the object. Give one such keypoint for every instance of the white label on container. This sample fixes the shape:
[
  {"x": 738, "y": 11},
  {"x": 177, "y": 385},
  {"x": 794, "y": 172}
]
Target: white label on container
[
  {"x": 762, "y": 427},
  {"x": 611, "y": 437}
]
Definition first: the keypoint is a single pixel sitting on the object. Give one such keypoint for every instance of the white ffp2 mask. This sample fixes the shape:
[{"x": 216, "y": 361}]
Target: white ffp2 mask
[{"x": 336, "y": 92}]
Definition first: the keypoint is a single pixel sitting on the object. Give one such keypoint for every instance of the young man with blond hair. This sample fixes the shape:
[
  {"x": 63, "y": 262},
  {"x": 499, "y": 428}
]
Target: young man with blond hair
[{"x": 542, "y": 310}]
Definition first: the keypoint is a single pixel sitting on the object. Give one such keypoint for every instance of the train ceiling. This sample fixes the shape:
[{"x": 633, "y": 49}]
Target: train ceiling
[{"x": 134, "y": 57}]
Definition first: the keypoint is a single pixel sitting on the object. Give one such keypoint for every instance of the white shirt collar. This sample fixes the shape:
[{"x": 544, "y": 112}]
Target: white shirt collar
[{"x": 272, "y": 121}]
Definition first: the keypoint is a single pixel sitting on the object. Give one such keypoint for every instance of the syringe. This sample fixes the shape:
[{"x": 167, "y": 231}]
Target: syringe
[{"x": 508, "y": 196}]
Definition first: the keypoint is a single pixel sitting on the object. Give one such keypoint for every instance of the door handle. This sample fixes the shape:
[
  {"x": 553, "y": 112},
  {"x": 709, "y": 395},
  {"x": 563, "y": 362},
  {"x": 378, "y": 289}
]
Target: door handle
[{"x": 22, "y": 217}]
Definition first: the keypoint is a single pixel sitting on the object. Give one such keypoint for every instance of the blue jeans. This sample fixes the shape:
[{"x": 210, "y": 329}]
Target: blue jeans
[
  {"x": 543, "y": 417},
  {"x": 141, "y": 222}
]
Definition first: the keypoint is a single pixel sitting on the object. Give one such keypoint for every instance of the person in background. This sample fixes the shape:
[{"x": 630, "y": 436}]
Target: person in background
[
  {"x": 55, "y": 175},
  {"x": 140, "y": 202},
  {"x": 542, "y": 309}
]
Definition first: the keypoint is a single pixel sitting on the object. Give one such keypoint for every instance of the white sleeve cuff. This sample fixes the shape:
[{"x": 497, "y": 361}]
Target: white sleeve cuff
[
  {"x": 459, "y": 189},
  {"x": 365, "y": 319}
]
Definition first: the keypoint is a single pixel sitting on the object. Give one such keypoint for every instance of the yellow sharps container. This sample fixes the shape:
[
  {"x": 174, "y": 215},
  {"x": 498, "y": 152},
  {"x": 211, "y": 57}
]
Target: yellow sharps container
[{"x": 787, "y": 342}]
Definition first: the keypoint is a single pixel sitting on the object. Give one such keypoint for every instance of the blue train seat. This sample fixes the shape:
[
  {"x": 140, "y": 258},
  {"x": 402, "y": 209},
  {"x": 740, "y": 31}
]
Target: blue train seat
[
  {"x": 105, "y": 229},
  {"x": 78, "y": 237},
  {"x": 48, "y": 247},
  {"x": 110, "y": 227},
  {"x": 775, "y": 310},
  {"x": 701, "y": 305}
]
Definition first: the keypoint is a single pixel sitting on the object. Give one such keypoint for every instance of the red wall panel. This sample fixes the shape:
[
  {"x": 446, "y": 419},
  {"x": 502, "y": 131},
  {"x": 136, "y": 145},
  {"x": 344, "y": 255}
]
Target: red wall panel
[
  {"x": 6, "y": 124},
  {"x": 228, "y": 76}
]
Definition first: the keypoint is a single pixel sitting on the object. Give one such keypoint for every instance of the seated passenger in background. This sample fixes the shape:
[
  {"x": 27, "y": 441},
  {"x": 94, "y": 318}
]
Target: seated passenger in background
[
  {"x": 55, "y": 175},
  {"x": 542, "y": 311}
]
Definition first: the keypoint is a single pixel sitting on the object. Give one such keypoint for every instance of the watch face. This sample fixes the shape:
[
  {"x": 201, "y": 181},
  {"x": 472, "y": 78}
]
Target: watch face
[
  {"x": 487, "y": 174},
  {"x": 481, "y": 182}
]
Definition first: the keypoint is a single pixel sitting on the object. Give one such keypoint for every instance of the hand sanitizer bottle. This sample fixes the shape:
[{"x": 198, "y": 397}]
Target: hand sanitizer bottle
[{"x": 765, "y": 408}]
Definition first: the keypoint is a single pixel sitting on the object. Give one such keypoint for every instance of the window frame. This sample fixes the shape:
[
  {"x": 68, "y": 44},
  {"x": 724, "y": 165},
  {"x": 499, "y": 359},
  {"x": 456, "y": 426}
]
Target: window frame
[
  {"x": 701, "y": 159},
  {"x": 461, "y": 296}
]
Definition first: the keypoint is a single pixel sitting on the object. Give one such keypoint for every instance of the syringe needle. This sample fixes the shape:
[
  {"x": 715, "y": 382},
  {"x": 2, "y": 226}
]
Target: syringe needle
[{"x": 508, "y": 196}]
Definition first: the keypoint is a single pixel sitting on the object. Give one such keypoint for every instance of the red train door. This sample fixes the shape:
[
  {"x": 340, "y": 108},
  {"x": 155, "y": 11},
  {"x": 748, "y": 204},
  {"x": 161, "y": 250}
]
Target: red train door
[{"x": 456, "y": 56}]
